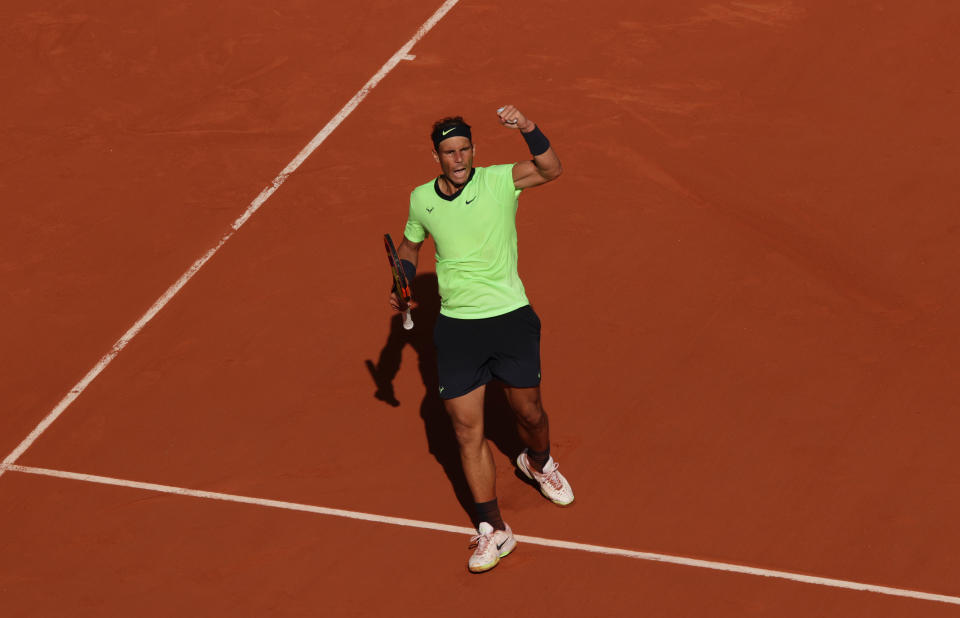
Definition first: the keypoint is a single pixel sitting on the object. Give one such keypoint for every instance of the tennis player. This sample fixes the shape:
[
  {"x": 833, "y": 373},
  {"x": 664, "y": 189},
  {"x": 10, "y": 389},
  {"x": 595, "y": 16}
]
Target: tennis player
[{"x": 486, "y": 328}]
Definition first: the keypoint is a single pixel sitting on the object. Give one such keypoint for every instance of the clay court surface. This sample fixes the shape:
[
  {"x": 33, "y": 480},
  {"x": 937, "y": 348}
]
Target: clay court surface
[{"x": 747, "y": 276}]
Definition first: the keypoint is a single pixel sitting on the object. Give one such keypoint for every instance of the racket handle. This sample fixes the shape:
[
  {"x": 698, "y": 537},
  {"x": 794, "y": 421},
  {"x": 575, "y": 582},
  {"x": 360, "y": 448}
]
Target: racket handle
[{"x": 407, "y": 320}]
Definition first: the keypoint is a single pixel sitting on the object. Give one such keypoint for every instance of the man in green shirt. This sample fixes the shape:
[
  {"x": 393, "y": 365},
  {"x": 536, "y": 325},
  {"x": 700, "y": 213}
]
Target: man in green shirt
[{"x": 486, "y": 328}]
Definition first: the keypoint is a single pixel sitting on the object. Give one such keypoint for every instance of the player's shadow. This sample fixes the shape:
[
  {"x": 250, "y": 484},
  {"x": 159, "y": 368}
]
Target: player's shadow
[{"x": 499, "y": 424}]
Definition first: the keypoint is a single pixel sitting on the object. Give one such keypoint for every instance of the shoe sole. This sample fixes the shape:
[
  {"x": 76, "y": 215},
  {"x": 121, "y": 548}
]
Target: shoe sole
[
  {"x": 527, "y": 474},
  {"x": 505, "y": 551}
]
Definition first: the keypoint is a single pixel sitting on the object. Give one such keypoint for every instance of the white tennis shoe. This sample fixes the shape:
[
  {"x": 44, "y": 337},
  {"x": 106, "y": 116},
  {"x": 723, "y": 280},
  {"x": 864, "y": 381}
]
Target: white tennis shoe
[
  {"x": 491, "y": 545},
  {"x": 553, "y": 485}
]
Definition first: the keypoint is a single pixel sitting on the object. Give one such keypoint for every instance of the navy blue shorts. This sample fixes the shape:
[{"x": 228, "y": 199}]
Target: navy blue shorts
[{"x": 470, "y": 353}]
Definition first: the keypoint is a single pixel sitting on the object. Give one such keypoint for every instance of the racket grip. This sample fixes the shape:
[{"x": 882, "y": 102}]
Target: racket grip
[{"x": 407, "y": 320}]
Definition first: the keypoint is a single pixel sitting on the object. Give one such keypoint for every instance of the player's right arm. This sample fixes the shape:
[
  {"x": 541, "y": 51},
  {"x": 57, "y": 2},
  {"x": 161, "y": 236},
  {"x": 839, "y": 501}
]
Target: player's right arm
[{"x": 408, "y": 250}]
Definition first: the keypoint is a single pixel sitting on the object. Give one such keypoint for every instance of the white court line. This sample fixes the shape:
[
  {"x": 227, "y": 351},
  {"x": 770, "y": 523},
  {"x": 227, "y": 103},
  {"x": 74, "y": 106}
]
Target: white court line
[
  {"x": 346, "y": 110},
  {"x": 533, "y": 540}
]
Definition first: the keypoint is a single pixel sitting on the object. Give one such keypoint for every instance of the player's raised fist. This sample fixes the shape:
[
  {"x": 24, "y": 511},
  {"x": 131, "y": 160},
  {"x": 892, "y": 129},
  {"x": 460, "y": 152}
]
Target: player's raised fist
[{"x": 512, "y": 118}]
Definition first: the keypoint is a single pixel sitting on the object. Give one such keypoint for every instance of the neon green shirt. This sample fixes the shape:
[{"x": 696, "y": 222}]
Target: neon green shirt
[{"x": 475, "y": 234}]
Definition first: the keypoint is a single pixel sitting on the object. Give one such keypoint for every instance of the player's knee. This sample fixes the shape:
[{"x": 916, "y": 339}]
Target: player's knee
[
  {"x": 531, "y": 414},
  {"x": 469, "y": 434}
]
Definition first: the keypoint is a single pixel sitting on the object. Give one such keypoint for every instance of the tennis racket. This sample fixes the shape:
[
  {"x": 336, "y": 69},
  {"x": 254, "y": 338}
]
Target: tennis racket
[{"x": 400, "y": 284}]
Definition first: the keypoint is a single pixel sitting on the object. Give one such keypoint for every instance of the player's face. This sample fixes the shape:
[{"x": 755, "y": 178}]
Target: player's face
[{"x": 455, "y": 156}]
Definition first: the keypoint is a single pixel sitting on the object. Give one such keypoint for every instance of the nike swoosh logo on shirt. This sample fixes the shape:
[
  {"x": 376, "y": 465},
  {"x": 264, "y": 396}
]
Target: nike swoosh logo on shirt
[
  {"x": 430, "y": 210},
  {"x": 474, "y": 197}
]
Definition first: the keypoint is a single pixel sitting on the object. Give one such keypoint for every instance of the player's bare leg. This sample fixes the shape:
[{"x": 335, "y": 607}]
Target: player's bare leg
[
  {"x": 466, "y": 412},
  {"x": 494, "y": 539},
  {"x": 535, "y": 461},
  {"x": 532, "y": 422}
]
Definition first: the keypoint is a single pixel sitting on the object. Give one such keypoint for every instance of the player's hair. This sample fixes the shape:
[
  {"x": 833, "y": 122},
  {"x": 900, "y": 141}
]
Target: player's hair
[{"x": 436, "y": 134}]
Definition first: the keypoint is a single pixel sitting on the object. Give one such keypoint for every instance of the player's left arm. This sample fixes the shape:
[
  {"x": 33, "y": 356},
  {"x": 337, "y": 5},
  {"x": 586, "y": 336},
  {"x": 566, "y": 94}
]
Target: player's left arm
[{"x": 545, "y": 165}]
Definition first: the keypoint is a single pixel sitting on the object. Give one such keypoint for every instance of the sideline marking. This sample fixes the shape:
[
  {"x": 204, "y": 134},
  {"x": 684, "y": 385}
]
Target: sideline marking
[
  {"x": 533, "y": 540},
  {"x": 255, "y": 205}
]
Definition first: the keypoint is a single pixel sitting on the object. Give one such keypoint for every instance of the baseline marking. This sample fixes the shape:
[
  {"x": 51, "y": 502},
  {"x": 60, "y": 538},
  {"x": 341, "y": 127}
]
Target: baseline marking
[
  {"x": 400, "y": 55},
  {"x": 533, "y": 540}
]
